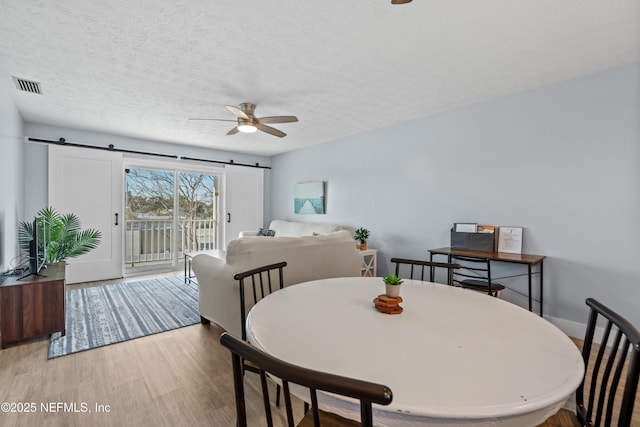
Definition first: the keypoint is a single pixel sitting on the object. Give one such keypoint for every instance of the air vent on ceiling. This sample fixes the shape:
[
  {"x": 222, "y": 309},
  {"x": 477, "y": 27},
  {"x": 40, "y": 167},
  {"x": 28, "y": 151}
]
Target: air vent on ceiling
[{"x": 28, "y": 86}]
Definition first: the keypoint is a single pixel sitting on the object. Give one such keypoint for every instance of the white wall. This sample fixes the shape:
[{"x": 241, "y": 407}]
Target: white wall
[
  {"x": 562, "y": 161},
  {"x": 36, "y": 156},
  {"x": 11, "y": 181}
]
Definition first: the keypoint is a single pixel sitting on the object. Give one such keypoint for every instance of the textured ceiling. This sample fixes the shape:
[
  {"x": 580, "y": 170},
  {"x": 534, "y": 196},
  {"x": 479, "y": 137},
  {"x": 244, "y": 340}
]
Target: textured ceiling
[{"x": 142, "y": 68}]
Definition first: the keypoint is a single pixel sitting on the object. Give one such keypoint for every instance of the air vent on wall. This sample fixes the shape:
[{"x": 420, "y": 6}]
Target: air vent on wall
[{"x": 28, "y": 86}]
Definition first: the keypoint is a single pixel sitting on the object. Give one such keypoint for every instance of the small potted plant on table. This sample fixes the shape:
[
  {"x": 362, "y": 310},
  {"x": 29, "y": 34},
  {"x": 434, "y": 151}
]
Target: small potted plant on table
[
  {"x": 361, "y": 235},
  {"x": 392, "y": 285}
]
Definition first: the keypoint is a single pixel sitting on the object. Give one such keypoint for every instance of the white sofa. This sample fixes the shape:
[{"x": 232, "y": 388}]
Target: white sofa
[
  {"x": 294, "y": 228},
  {"x": 307, "y": 257}
]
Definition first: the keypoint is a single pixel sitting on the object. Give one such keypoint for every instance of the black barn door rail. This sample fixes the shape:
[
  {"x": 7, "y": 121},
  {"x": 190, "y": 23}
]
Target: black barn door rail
[{"x": 111, "y": 147}]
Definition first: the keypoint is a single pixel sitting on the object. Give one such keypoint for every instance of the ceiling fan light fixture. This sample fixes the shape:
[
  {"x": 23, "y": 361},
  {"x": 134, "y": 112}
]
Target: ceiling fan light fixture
[
  {"x": 249, "y": 123},
  {"x": 247, "y": 128}
]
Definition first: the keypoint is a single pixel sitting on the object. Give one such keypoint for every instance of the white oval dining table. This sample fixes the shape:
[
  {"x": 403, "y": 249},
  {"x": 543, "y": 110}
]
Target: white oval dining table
[{"x": 452, "y": 357}]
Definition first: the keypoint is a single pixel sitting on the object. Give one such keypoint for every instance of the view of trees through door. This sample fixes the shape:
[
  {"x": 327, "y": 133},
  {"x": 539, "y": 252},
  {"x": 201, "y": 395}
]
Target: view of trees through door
[{"x": 168, "y": 212}]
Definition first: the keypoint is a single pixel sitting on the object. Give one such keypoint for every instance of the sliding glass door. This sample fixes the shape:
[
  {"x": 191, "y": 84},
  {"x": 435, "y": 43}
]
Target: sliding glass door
[
  {"x": 168, "y": 212},
  {"x": 198, "y": 207}
]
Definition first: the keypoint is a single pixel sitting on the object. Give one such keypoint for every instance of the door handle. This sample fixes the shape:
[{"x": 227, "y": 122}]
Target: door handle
[
  {"x": 116, "y": 219},
  {"x": 228, "y": 216}
]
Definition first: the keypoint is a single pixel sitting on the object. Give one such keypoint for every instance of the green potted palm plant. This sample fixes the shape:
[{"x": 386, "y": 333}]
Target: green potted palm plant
[
  {"x": 392, "y": 285},
  {"x": 361, "y": 235},
  {"x": 62, "y": 236}
]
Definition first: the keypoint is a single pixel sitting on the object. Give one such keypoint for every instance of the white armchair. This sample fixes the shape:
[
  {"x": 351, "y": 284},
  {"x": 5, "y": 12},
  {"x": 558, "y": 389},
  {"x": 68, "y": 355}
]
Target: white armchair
[{"x": 308, "y": 258}]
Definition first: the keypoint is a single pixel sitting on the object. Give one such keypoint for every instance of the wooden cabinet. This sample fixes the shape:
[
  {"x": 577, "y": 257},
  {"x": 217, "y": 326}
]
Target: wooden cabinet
[{"x": 33, "y": 306}]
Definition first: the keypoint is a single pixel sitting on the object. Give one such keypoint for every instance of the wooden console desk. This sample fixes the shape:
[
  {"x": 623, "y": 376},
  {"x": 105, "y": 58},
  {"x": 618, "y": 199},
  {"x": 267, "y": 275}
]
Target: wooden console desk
[
  {"x": 33, "y": 306},
  {"x": 526, "y": 259}
]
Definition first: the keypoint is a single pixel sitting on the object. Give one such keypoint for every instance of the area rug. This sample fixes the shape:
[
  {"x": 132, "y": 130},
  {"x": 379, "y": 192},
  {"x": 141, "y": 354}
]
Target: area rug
[{"x": 103, "y": 315}]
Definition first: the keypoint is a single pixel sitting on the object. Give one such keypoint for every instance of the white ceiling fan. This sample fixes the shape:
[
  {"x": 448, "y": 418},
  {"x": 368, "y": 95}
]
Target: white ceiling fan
[{"x": 247, "y": 122}]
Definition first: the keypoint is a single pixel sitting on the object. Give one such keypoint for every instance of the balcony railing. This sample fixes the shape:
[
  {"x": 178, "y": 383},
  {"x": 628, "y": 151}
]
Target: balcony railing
[{"x": 150, "y": 241}]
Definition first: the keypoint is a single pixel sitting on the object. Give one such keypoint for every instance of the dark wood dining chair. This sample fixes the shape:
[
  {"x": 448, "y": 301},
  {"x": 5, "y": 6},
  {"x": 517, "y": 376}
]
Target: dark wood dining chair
[
  {"x": 415, "y": 269},
  {"x": 254, "y": 285},
  {"x": 475, "y": 274},
  {"x": 366, "y": 392},
  {"x": 615, "y": 368}
]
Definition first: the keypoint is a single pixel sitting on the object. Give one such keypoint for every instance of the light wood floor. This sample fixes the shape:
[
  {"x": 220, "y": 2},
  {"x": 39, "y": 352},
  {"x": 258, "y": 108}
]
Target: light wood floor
[
  {"x": 565, "y": 417},
  {"x": 175, "y": 378}
]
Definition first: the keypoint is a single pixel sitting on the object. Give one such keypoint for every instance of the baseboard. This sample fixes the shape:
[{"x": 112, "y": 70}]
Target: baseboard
[
  {"x": 577, "y": 329},
  {"x": 569, "y": 327}
]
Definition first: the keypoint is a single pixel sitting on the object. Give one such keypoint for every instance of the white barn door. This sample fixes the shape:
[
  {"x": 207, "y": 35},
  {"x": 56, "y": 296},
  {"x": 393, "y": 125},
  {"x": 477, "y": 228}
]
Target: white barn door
[
  {"x": 88, "y": 183},
  {"x": 244, "y": 205}
]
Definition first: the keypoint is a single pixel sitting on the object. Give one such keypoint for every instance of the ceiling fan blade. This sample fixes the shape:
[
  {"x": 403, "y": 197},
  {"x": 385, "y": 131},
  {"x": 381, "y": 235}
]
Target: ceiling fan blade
[
  {"x": 269, "y": 129},
  {"x": 233, "y": 131},
  {"x": 278, "y": 119},
  {"x": 238, "y": 112},
  {"x": 217, "y": 120}
]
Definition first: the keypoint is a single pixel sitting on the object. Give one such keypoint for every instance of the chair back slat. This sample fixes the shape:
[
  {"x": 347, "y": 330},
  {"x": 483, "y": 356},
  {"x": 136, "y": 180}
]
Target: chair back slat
[
  {"x": 238, "y": 385},
  {"x": 265, "y": 398},
  {"x": 586, "y": 352},
  {"x": 258, "y": 287},
  {"x": 243, "y": 314},
  {"x": 415, "y": 265},
  {"x": 622, "y": 357},
  {"x": 605, "y": 382},
  {"x": 253, "y": 286},
  {"x": 265, "y": 284},
  {"x": 631, "y": 386},
  {"x": 475, "y": 273},
  {"x": 364, "y": 391},
  {"x": 610, "y": 365},
  {"x": 287, "y": 403},
  {"x": 366, "y": 413},
  {"x": 314, "y": 407},
  {"x": 474, "y": 268}
]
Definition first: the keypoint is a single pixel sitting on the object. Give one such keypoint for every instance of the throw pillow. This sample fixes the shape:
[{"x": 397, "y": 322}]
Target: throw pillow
[{"x": 267, "y": 233}]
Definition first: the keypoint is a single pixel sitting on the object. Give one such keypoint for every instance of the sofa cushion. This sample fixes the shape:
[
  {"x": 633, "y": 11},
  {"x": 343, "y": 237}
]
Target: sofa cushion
[{"x": 253, "y": 251}]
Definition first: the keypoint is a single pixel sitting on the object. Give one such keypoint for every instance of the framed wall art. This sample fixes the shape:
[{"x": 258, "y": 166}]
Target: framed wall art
[{"x": 309, "y": 197}]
